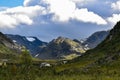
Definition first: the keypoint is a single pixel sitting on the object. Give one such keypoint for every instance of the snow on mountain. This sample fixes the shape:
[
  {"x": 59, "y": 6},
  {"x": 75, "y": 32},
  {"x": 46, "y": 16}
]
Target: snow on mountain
[
  {"x": 36, "y": 55},
  {"x": 14, "y": 41},
  {"x": 33, "y": 44},
  {"x": 31, "y": 39}
]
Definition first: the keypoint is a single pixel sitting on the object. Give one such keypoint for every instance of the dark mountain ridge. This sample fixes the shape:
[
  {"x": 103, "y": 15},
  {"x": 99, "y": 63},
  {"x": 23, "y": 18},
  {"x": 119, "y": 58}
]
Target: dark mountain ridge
[
  {"x": 8, "y": 49},
  {"x": 105, "y": 58},
  {"x": 33, "y": 44},
  {"x": 95, "y": 39},
  {"x": 60, "y": 47}
]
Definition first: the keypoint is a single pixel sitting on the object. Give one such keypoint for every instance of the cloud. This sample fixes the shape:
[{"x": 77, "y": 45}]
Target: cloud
[
  {"x": 65, "y": 10},
  {"x": 26, "y": 2},
  {"x": 47, "y": 10},
  {"x": 13, "y": 17},
  {"x": 36, "y": 2},
  {"x": 114, "y": 19},
  {"x": 83, "y": 2},
  {"x": 31, "y": 2},
  {"x": 3, "y": 8},
  {"x": 87, "y": 16},
  {"x": 43, "y": 18},
  {"x": 116, "y": 5}
]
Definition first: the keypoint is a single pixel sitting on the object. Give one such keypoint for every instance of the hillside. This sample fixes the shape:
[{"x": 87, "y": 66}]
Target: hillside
[
  {"x": 60, "y": 48},
  {"x": 104, "y": 59},
  {"x": 33, "y": 44},
  {"x": 95, "y": 39},
  {"x": 7, "y": 50}
]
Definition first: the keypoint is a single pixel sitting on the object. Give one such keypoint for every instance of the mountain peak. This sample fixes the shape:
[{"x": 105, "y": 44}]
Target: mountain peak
[
  {"x": 116, "y": 29},
  {"x": 59, "y": 40},
  {"x": 96, "y": 38},
  {"x": 31, "y": 43},
  {"x": 60, "y": 47}
]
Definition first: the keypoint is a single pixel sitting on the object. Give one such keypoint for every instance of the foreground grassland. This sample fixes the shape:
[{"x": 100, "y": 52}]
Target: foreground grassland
[{"x": 33, "y": 72}]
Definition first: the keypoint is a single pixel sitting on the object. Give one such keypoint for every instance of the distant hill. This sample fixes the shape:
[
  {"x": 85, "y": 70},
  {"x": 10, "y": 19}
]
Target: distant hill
[
  {"x": 33, "y": 44},
  {"x": 7, "y": 48},
  {"x": 95, "y": 39},
  {"x": 60, "y": 48}
]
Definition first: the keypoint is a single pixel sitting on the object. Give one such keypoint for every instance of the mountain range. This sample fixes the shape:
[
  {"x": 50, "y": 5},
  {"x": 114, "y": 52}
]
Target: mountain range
[
  {"x": 103, "y": 59},
  {"x": 60, "y": 48},
  {"x": 99, "y": 63},
  {"x": 33, "y": 44},
  {"x": 71, "y": 56}
]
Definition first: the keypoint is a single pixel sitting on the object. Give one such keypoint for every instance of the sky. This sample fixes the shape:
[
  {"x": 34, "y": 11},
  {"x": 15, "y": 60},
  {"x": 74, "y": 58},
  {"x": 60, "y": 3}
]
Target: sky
[
  {"x": 49, "y": 19},
  {"x": 11, "y": 3}
]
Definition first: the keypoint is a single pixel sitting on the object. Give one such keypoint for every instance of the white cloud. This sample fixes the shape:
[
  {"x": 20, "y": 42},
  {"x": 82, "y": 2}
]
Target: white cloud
[
  {"x": 13, "y": 17},
  {"x": 3, "y": 8},
  {"x": 31, "y": 2},
  {"x": 87, "y": 16},
  {"x": 79, "y": 0},
  {"x": 116, "y": 5},
  {"x": 26, "y": 2},
  {"x": 64, "y": 10},
  {"x": 7, "y": 21},
  {"x": 83, "y": 2},
  {"x": 114, "y": 19}
]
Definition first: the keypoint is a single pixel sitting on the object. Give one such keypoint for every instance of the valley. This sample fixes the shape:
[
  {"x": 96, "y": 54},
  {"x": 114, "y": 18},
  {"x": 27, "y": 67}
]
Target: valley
[
  {"x": 59, "y": 39},
  {"x": 99, "y": 63}
]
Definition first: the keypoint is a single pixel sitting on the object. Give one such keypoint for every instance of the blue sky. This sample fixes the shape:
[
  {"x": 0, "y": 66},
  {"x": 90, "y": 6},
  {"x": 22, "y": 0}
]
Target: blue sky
[
  {"x": 48, "y": 19},
  {"x": 11, "y": 3}
]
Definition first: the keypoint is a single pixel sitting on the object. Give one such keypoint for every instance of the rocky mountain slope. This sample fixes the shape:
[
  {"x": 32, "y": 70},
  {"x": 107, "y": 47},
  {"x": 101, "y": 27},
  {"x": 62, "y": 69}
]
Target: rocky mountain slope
[
  {"x": 60, "y": 48},
  {"x": 8, "y": 49},
  {"x": 33, "y": 44},
  {"x": 95, "y": 39},
  {"x": 105, "y": 58}
]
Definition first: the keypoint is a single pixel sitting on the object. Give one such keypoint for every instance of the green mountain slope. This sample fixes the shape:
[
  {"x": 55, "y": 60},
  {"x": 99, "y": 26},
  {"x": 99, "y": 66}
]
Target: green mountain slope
[
  {"x": 105, "y": 58},
  {"x": 6, "y": 48}
]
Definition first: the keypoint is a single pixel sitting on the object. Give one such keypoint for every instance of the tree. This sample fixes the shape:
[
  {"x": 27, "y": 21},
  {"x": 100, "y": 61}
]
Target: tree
[{"x": 26, "y": 58}]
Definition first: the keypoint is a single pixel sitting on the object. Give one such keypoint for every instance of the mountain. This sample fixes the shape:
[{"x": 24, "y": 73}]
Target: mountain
[
  {"x": 103, "y": 60},
  {"x": 5, "y": 41},
  {"x": 61, "y": 48},
  {"x": 95, "y": 39},
  {"x": 8, "y": 49},
  {"x": 33, "y": 44},
  {"x": 106, "y": 56}
]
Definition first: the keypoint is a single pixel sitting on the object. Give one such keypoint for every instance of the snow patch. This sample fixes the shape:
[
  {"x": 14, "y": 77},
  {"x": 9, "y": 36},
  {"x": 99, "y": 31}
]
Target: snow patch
[
  {"x": 30, "y": 39},
  {"x": 37, "y": 55},
  {"x": 14, "y": 41},
  {"x": 86, "y": 45}
]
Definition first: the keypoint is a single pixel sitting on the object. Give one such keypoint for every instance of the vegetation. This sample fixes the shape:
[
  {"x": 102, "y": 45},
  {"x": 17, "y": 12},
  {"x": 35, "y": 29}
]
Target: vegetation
[{"x": 100, "y": 63}]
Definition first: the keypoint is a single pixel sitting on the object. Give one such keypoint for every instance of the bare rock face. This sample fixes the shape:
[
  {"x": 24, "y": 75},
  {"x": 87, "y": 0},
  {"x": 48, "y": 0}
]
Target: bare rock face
[
  {"x": 33, "y": 44},
  {"x": 96, "y": 38},
  {"x": 60, "y": 47}
]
